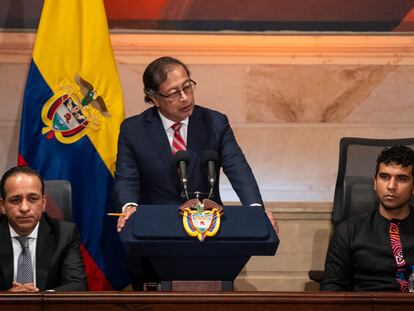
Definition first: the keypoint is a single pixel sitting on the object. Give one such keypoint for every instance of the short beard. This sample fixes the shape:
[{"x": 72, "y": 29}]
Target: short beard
[{"x": 394, "y": 208}]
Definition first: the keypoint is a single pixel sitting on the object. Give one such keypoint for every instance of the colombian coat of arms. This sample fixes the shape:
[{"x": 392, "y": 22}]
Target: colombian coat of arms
[
  {"x": 74, "y": 109},
  {"x": 201, "y": 219}
]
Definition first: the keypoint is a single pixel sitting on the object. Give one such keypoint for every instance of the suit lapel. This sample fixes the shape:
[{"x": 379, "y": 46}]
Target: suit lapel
[
  {"x": 196, "y": 138},
  {"x": 161, "y": 145},
  {"x": 44, "y": 251},
  {"x": 6, "y": 252}
]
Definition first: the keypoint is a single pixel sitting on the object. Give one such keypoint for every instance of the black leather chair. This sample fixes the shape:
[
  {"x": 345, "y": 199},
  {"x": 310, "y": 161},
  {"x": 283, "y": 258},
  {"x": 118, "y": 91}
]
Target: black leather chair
[
  {"x": 359, "y": 197},
  {"x": 59, "y": 199},
  {"x": 354, "y": 189}
]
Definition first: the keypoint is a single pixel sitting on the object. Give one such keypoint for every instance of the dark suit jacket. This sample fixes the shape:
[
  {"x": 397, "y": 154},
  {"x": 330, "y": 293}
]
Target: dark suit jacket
[
  {"x": 146, "y": 170},
  {"x": 59, "y": 264}
]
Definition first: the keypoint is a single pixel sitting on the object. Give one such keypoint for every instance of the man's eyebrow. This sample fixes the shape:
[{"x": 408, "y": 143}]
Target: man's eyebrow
[
  {"x": 179, "y": 87},
  {"x": 28, "y": 194},
  {"x": 398, "y": 175},
  {"x": 15, "y": 196},
  {"x": 403, "y": 175}
]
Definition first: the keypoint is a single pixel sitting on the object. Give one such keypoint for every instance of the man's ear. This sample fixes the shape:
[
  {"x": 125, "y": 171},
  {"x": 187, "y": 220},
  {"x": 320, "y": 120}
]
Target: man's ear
[
  {"x": 44, "y": 203},
  {"x": 154, "y": 100},
  {"x": 375, "y": 183}
]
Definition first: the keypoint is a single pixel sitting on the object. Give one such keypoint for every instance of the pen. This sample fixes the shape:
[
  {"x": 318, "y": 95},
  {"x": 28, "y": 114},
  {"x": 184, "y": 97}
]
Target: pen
[{"x": 115, "y": 214}]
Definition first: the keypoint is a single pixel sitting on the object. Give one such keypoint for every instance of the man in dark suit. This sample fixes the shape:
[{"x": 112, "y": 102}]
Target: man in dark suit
[
  {"x": 146, "y": 171},
  {"x": 37, "y": 252}
]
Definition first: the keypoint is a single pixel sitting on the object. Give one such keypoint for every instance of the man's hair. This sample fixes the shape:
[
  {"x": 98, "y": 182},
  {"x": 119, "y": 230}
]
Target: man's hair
[
  {"x": 156, "y": 73},
  {"x": 397, "y": 155},
  {"x": 19, "y": 170}
]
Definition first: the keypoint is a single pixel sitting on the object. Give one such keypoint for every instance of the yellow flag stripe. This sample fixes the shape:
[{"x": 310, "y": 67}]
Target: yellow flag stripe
[{"x": 81, "y": 46}]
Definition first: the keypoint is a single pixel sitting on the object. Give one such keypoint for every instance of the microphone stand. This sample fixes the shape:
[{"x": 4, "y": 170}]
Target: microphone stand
[
  {"x": 182, "y": 159},
  {"x": 184, "y": 183},
  {"x": 211, "y": 191}
]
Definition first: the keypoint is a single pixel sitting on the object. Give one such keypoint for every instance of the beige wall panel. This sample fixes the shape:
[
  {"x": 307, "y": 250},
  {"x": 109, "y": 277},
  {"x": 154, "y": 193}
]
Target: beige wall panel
[
  {"x": 302, "y": 244},
  {"x": 12, "y": 82},
  {"x": 275, "y": 282},
  {"x": 327, "y": 93},
  {"x": 391, "y": 102},
  {"x": 9, "y": 139},
  {"x": 304, "y": 237}
]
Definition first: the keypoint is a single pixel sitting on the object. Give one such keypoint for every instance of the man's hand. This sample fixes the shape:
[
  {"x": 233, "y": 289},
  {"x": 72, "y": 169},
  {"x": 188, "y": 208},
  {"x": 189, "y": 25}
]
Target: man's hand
[
  {"x": 273, "y": 221},
  {"x": 28, "y": 287},
  {"x": 129, "y": 210}
]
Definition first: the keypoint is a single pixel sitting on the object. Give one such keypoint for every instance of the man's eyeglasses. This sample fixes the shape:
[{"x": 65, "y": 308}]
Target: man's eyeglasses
[{"x": 188, "y": 89}]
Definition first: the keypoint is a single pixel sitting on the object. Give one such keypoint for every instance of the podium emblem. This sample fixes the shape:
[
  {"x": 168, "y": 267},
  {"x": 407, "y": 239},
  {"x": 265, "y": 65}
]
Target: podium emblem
[{"x": 201, "y": 219}]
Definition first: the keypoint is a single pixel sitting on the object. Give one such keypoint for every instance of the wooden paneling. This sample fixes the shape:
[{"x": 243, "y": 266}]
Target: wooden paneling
[{"x": 286, "y": 301}]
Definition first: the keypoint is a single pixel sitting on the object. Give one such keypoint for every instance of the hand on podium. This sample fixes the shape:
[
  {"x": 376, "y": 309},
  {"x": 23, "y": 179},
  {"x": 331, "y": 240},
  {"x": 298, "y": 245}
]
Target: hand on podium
[
  {"x": 28, "y": 287},
  {"x": 273, "y": 221},
  {"x": 129, "y": 210}
]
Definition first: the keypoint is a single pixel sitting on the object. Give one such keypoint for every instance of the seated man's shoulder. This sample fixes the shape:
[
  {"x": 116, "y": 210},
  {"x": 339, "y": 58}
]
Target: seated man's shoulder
[
  {"x": 60, "y": 225},
  {"x": 355, "y": 222}
]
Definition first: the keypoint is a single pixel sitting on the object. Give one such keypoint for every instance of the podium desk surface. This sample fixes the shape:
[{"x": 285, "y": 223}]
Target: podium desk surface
[
  {"x": 157, "y": 230},
  {"x": 303, "y": 301}
]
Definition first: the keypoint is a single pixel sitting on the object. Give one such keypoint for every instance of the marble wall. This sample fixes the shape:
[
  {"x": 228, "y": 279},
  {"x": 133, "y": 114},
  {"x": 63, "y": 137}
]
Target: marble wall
[{"x": 304, "y": 235}]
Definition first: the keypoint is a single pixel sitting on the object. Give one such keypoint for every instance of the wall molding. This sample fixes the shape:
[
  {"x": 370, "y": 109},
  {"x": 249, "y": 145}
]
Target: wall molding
[
  {"x": 367, "y": 49},
  {"x": 270, "y": 125}
]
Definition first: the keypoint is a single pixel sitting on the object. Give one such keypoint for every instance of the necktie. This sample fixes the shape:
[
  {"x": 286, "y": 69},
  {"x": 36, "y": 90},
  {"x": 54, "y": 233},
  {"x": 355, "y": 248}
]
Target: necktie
[
  {"x": 24, "y": 262},
  {"x": 397, "y": 250},
  {"x": 178, "y": 141}
]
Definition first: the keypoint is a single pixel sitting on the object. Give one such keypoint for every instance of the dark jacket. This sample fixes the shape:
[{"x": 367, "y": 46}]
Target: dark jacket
[{"x": 59, "y": 263}]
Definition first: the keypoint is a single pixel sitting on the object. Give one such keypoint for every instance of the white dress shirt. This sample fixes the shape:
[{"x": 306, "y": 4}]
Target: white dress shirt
[
  {"x": 17, "y": 249},
  {"x": 167, "y": 123}
]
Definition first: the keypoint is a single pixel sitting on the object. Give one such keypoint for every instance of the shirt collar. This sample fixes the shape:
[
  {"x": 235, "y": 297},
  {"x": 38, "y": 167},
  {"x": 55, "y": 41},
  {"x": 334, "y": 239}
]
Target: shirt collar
[
  {"x": 167, "y": 123},
  {"x": 32, "y": 235}
]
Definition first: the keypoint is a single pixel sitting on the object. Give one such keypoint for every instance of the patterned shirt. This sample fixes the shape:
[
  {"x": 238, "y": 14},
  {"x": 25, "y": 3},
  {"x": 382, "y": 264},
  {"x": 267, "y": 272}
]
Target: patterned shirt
[{"x": 360, "y": 257}]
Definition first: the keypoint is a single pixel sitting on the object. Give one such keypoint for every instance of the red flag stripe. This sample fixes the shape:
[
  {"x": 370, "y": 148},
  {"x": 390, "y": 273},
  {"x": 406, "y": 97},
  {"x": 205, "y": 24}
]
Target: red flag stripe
[{"x": 96, "y": 279}]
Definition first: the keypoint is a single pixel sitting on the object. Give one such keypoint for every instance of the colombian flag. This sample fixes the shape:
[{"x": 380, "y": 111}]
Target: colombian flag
[{"x": 72, "y": 110}]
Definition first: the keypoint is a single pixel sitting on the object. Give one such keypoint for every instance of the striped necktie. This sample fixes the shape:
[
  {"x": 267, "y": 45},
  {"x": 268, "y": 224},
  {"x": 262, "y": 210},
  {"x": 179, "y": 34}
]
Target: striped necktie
[{"x": 178, "y": 142}]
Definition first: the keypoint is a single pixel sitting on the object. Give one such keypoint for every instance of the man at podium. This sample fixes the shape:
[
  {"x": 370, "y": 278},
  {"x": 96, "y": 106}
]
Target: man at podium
[{"x": 146, "y": 166}]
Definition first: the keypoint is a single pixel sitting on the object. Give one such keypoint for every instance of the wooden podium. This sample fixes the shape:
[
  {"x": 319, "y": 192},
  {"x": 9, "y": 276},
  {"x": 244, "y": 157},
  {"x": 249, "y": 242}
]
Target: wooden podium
[{"x": 154, "y": 238}]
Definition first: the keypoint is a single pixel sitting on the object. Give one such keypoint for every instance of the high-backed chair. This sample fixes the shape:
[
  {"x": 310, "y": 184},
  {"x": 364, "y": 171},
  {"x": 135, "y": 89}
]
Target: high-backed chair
[
  {"x": 59, "y": 199},
  {"x": 358, "y": 157},
  {"x": 359, "y": 197},
  {"x": 354, "y": 189}
]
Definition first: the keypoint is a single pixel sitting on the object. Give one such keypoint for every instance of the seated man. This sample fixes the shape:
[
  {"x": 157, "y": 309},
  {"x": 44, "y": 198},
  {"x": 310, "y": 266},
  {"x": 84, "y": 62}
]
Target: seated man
[
  {"x": 37, "y": 252},
  {"x": 374, "y": 252}
]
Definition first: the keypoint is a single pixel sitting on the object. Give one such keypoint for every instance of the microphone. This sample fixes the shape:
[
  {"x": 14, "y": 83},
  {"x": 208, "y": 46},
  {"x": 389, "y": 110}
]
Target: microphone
[
  {"x": 182, "y": 160},
  {"x": 210, "y": 157}
]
